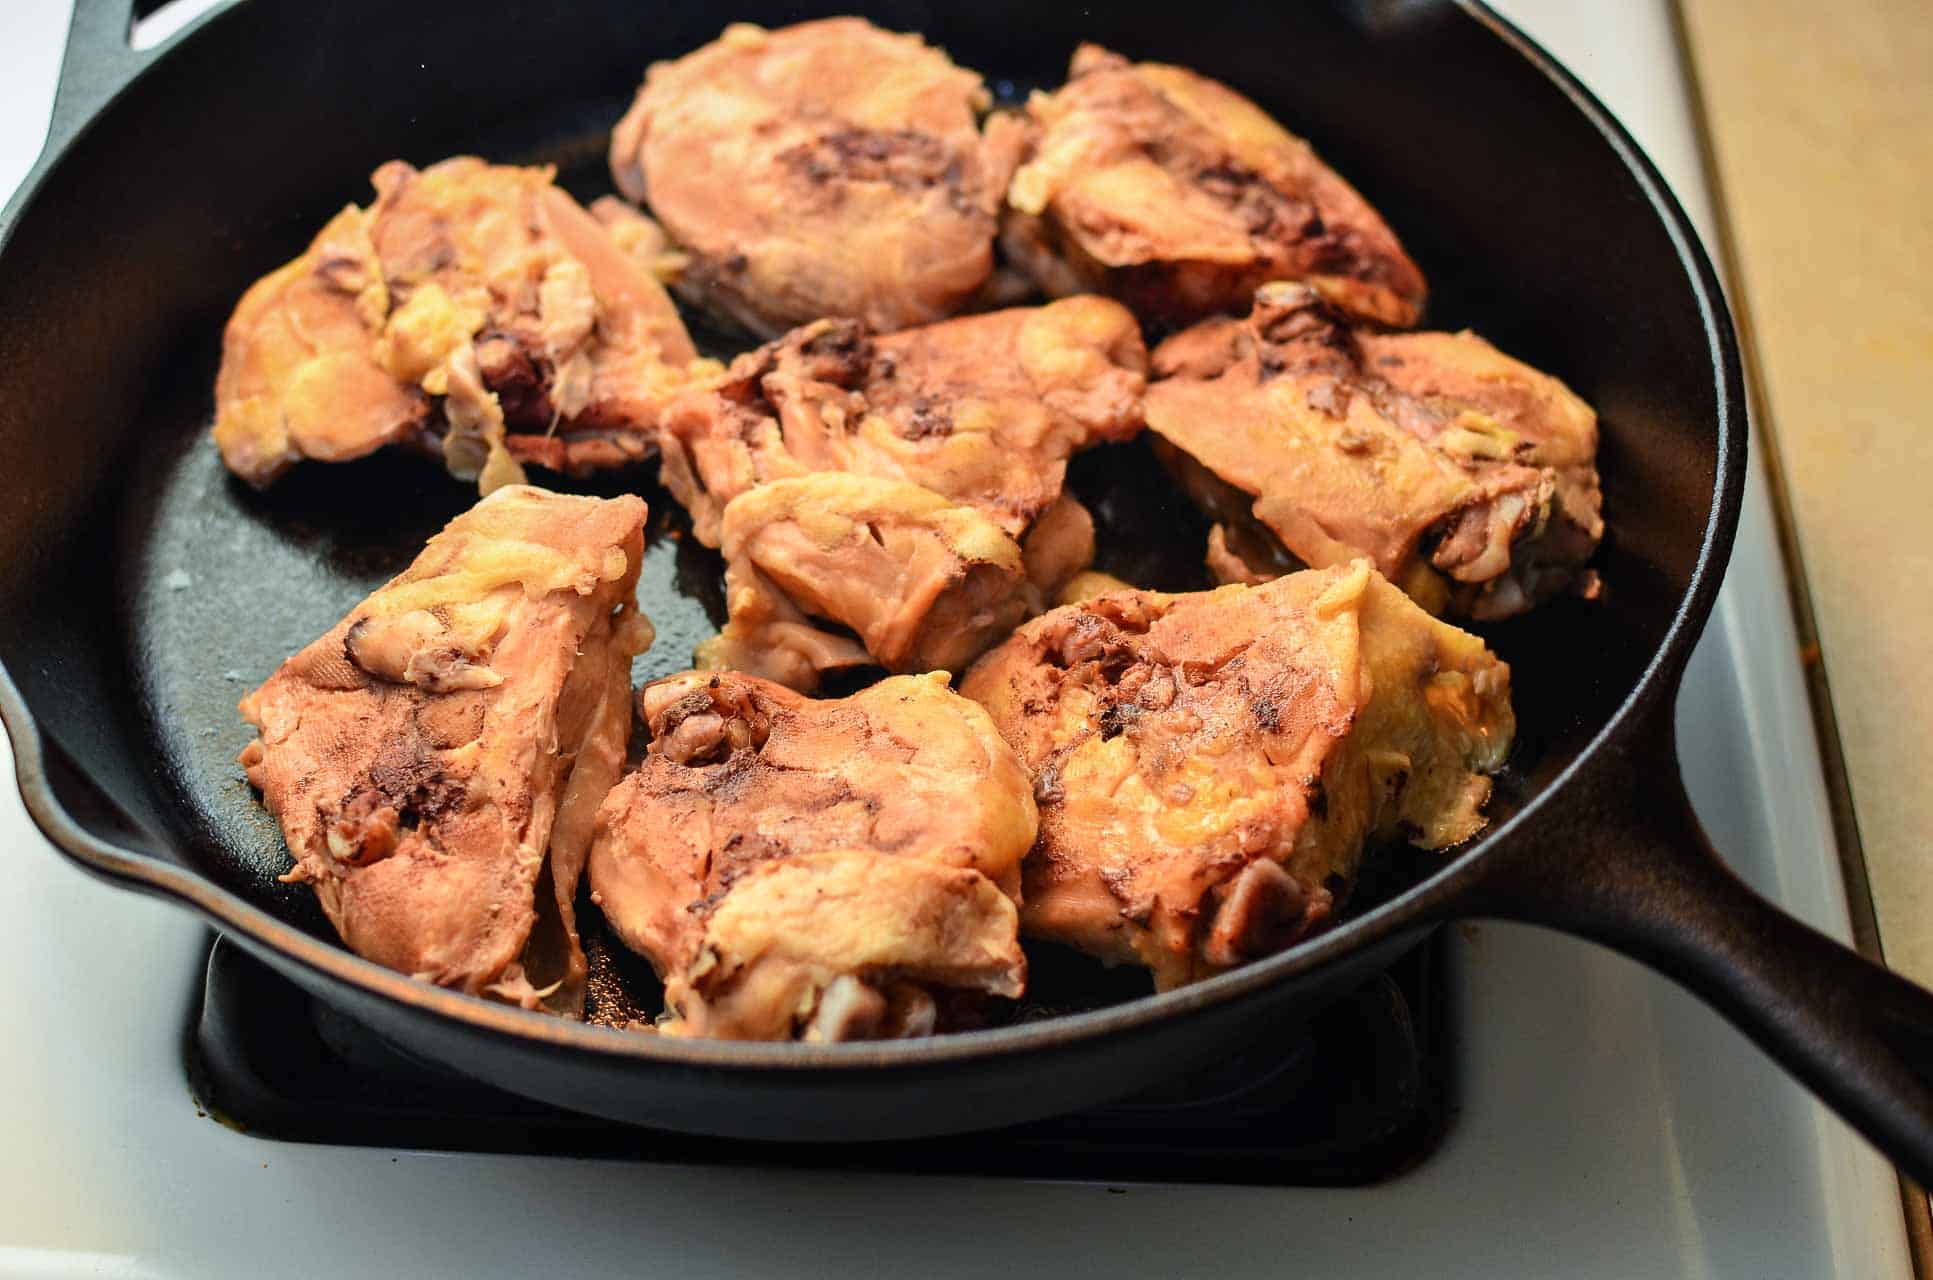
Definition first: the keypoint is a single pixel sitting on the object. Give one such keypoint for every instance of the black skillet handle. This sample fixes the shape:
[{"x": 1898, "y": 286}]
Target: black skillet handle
[
  {"x": 98, "y": 64},
  {"x": 1623, "y": 861}
]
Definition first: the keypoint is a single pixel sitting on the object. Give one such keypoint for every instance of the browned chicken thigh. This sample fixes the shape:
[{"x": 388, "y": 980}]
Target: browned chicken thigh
[
  {"x": 914, "y": 480},
  {"x": 819, "y": 870},
  {"x": 1209, "y": 767},
  {"x": 473, "y": 312},
  {"x": 1469, "y": 478},
  {"x": 436, "y": 759},
  {"x": 824, "y": 169},
  {"x": 1179, "y": 196}
]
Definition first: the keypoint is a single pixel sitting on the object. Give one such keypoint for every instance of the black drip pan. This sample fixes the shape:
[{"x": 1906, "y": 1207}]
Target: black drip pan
[{"x": 1357, "y": 1094}]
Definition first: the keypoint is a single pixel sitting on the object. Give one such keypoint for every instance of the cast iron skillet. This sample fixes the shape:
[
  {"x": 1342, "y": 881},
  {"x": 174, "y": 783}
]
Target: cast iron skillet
[{"x": 141, "y": 592}]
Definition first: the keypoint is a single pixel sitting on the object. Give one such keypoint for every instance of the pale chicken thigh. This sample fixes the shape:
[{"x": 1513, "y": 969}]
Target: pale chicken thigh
[
  {"x": 1469, "y": 478},
  {"x": 817, "y": 869},
  {"x": 920, "y": 583},
  {"x": 472, "y": 312},
  {"x": 827, "y": 169},
  {"x": 1179, "y": 196},
  {"x": 436, "y": 759},
  {"x": 905, "y": 488},
  {"x": 1210, "y": 767}
]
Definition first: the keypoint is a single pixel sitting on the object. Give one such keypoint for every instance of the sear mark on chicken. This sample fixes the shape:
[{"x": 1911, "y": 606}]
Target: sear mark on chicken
[
  {"x": 824, "y": 169},
  {"x": 473, "y": 312},
  {"x": 904, "y": 489},
  {"x": 817, "y": 869},
  {"x": 1209, "y": 767},
  {"x": 436, "y": 759},
  {"x": 1179, "y": 196},
  {"x": 1467, "y": 477}
]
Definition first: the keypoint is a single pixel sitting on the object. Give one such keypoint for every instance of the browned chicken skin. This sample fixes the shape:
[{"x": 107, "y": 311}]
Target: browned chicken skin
[
  {"x": 1468, "y": 478},
  {"x": 819, "y": 870},
  {"x": 824, "y": 169},
  {"x": 474, "y": 312},
  {"x": 1179, "y": 196},
  {"x": 920, "y": 506},
  {"x": 437, "y": 758},
  {"x": 1208, "y": 767}
]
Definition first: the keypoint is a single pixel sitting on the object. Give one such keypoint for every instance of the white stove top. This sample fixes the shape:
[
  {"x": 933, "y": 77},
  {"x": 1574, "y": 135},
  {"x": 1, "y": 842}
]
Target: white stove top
[{"x": 1610, "y": 1125}]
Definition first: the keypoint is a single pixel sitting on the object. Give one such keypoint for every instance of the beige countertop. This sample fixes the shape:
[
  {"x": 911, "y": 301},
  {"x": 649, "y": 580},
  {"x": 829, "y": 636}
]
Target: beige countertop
[{"x": 1821, "y": 125}]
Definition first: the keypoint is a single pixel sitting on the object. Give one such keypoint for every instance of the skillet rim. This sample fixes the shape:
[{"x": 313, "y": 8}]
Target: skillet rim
[{"x": 1420, "y": 906}]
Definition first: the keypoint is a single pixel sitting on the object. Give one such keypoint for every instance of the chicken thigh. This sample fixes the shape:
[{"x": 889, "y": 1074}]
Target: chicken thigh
[
  {"x": 473, "y": 312},
  {"x": 1209, "y": 767},
  {"x": 824, "y": 169},
  {"x": 1179, "y": 196},
  {"x": 915, "y": 478},
  {"x": 1467, "y": 477},
  {"x": 922, "y": 584},
  {"x": 984, "y": 410},
  {"x": 819, "y": 870},
  {"x": 436, "y": 759}
]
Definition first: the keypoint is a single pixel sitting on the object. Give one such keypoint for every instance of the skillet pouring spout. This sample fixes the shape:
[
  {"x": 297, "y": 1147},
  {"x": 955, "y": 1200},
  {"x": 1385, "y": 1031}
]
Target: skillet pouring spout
[{"x": 1624, "y": 862}]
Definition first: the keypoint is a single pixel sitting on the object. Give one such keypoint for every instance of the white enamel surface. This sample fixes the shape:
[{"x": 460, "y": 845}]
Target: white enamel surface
[{"x": 1611, "y": 1126}]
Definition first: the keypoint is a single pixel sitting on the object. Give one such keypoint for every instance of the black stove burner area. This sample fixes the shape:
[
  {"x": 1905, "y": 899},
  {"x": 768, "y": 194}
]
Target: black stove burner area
[{"x": 1358, "y": 1093}]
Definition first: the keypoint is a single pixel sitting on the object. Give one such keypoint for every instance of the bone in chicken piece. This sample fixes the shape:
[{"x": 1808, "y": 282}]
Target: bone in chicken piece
[
  {"x": 1210, "y": 766},
  {"x": 824, "y": 169},
  {"x": 1468, "y": 477},
  {"x": 954, "y": 437},
  {"x": 436, "y": 759},
  {"x": 1179, "y": 196},
  {"x": 819, "y": 870},
  {"x": 472, "y": 312}
]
